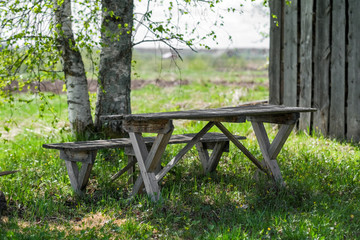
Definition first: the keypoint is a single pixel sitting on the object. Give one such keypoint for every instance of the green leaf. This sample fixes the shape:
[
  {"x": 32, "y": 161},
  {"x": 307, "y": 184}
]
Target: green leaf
[{"x": 6, "y": 128}]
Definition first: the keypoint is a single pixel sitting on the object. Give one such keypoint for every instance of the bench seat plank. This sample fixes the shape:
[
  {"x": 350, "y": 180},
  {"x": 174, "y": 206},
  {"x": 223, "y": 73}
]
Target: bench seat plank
[{"x": 126, "y": 142}]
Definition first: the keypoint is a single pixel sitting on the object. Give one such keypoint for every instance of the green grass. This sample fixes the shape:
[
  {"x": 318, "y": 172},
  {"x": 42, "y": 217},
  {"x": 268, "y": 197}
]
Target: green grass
[
  {"x": 202, "y": 67},
  {"x": 320, "y": 201}
]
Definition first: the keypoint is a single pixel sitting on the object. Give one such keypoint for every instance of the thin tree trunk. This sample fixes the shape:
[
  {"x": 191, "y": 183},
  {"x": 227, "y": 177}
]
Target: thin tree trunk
[
  {"x": 77, "y": 90},
  {"x": 115, "y": 64}
]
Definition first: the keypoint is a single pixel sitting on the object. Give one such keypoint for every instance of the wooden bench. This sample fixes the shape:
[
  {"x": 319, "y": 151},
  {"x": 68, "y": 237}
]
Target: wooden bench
[{"x": 85, "y": 153}]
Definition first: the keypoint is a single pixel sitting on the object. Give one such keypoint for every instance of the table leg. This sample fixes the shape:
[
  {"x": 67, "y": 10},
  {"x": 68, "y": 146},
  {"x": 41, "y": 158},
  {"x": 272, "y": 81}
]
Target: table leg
[
  {"x": 210, "y": 162},
  {"x": 149, "y": 162},
  {"x": 270, "y": 151}
]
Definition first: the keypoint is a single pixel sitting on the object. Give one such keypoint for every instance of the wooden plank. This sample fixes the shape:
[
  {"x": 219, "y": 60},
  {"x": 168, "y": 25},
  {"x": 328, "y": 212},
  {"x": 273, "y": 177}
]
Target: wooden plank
[
  {"x": 203, "y": 155},
  {"x": 275, "y": 55},
  {"x": 153, "y": 159},
  {"x": 306, "y": 55},
  {"x": 338, "y": 70},
  {"x": 78, "y": 179},
  {"x": 78, "y": 156},
  {"x": 353, "y": 112},
  {"x": 73, "y": 172},
  {"x": 240, "y": 146},
  {"x": 322, "y": 66},
  {"x": 86, "y": 146},
  {"x": 148, "y": 126},
  {"x": 215, "y": 156},
  {"x": 279, "y": 140},
  {"x": 290, "y": 53},
  {"x": 151, "y": 185},
  {"x": 90, "y": 145},
  {"x": 183, "y": 151},
  {"x": 84, "y": 175},
  {"x": 129, "y": 166},
  {"x": 240, "y": 112},
  {"x": 288, "y": 118},
  {"x": 264, "y": 144}
]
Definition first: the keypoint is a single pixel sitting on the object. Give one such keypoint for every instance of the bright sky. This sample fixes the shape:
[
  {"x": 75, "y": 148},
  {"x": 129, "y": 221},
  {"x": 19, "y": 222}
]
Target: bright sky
[{"x": 247, "y": 28}]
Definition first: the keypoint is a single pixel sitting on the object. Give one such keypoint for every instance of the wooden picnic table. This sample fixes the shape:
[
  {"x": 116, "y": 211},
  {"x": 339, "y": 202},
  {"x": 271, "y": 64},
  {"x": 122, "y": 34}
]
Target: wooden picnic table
[{"x": 161, "y": 123}]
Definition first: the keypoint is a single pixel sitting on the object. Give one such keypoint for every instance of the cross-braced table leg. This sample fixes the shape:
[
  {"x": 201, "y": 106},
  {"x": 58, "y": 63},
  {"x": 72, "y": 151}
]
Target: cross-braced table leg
[
  {"x": 271, "y": 151},
  {"x": 149, "y": 162}
]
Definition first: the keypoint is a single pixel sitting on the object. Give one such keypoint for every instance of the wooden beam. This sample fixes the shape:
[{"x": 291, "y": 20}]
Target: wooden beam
[
  {"x": 353, "y": 112},
  {"x": 203, "y": 155},
  {"x": 148, "y": 126},
  {"x": 306, "y": 61},
  {"x": 291, "y": 53},
  {"x": 240, "y": 146},
  {"x": 275, "y": 63},
  {"x": 279, "y": 140},
  {"x": 183, "y": 151},
  {"x": 151, "y": 185},
  {"x": 338, "y": 70},
  {"x": 78, "y": 179},
  {"x": 129, "y": 166},
  {"x": 288, "y": 118},
  {"x": 264, "y": 144},
  {"x": 78, "y": 156},
  {"x": 153, "y": 160},
  {"x": 215, "y": 156},
  {"x": 322, "y": 66}
]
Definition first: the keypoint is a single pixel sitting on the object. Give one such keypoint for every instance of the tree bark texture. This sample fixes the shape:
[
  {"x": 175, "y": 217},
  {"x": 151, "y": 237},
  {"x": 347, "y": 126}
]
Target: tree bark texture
[
  {"x": 113, "y": 96},
  {"x": 77, "y": 90}
]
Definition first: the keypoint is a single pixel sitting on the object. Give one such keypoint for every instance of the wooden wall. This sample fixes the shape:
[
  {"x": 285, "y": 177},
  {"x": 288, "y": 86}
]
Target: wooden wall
[{"x": 315, "y": 62}]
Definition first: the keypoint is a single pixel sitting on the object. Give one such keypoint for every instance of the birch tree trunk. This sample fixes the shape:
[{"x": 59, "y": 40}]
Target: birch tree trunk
[
  {"x": 113, "y": 96},
  {"x": 77, "y": 90}
]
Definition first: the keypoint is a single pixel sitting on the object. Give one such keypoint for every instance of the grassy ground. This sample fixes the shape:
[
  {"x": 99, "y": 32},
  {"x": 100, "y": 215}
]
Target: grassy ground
[{"x": 320, "y": 201}]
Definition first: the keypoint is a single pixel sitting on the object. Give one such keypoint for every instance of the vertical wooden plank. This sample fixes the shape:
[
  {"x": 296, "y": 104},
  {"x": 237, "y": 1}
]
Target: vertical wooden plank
[
  {"x": 337, "y": 71},
  {"x": 275, "y": 51},
  {"x": 353, "y": 108},
  {"x": 290, "y": 53},
  {"x": 322, "y": 55},
  {"x": 306, "y": 42}
]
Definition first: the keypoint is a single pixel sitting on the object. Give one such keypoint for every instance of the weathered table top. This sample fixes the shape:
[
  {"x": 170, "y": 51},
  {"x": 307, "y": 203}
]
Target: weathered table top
[{"x": 240, "y": 112}]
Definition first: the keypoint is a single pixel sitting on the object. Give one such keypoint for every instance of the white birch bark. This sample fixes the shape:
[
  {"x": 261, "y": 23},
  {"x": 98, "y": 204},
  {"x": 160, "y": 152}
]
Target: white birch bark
[
  {"x": 77, "y": 90},
  {"x": 115, "y": 63}
]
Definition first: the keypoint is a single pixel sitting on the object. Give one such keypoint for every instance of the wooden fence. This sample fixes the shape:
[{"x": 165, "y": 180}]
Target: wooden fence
[{"x": 315, "y": 62}]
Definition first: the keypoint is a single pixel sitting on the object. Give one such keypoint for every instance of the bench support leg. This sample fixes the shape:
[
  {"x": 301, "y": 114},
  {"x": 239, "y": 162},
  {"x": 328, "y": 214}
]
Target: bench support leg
[
  {"x": 210, "y": 163},
  {"x": 149, "y": 162},
  {"x": 78, "y": 177}
]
